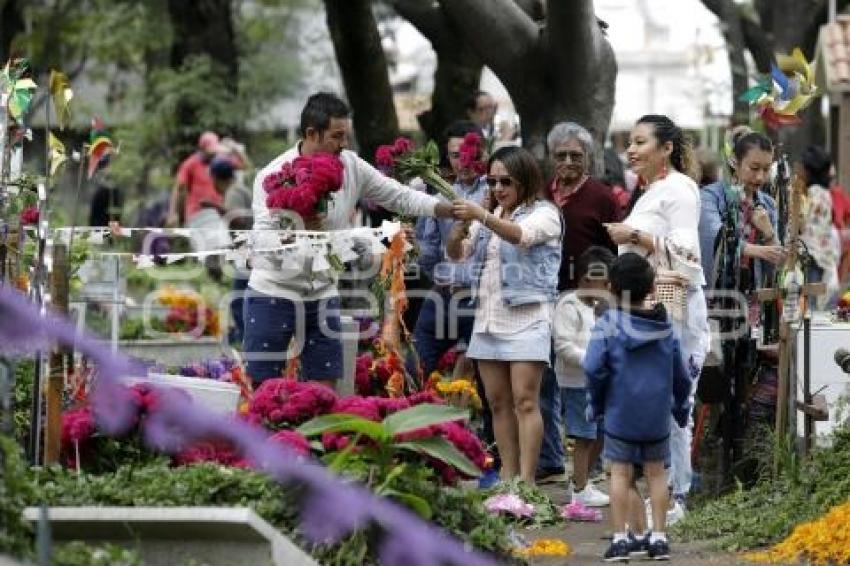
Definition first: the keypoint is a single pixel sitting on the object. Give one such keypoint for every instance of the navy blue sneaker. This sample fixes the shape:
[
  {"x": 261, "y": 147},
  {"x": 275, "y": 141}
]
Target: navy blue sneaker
[
  {"x": 617, "y": 552},
  {"x": 488, "y": 479},
  {"x": 638, "y": 546},
  {"x": 659, "y": 550}
]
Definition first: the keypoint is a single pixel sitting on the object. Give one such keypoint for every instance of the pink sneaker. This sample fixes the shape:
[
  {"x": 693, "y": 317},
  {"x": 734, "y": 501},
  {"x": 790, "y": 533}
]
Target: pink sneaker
[{"x": 578, "y": 511}]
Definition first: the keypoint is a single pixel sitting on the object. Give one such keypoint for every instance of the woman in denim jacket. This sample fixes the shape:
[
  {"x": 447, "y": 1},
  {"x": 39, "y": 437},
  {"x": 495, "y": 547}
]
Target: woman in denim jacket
[{"x": 516, "y": 255}]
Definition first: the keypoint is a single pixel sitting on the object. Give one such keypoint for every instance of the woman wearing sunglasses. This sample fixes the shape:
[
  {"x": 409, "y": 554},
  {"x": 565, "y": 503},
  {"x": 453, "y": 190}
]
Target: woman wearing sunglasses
[{"x": 516, "y": 255}]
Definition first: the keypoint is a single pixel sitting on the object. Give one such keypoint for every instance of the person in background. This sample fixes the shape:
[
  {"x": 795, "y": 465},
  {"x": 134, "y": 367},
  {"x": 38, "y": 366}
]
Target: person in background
[
  {"x": 709, "y": 166},
  {"x": 751, "y": 162},
  {"x": 586, "y": 205},
  {"x": 107, "y": 202},
  {"x": 841, "y": 221},
  {"x": 573, "y": 318},
  {"x": 818, "y": 234},
  {"x": 516, "y": 252},
  {"x": 481, "y": 111},
  {"x": 447, "y": 314},
  {"x": 237, "y": 214},
  {"x": 637, "y": 381},
  {"x": 194, "y": 185},
  {"x": 615, "y": 178}
]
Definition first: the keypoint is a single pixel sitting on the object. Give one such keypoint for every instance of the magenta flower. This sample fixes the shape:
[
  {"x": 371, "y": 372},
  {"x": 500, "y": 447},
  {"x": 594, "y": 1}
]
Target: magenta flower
[
  {"x": 286, "y": 401},
  {"x": 77, "y": 426},
  {"x": 384, "y": 158},
  {"x": 293, "y": 440},
  {"x": 29, "y": 215},
  {"x": 402, "y": 145},
  {"x": 365, "y": 407}
]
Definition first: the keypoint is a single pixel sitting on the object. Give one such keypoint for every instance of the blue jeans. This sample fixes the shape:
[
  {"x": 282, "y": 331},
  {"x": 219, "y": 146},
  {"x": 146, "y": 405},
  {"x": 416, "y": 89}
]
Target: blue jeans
[
  {"x": 440, "y": 326},
  {"x": 237, "y": 305},
  {"x": 270, "y": 324},
  {"x": 552, "y": 450}
]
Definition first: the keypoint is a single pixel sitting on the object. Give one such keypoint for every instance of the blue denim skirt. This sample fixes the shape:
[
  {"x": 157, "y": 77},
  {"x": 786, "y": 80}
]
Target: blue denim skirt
[{"x": 534, "y": 344}]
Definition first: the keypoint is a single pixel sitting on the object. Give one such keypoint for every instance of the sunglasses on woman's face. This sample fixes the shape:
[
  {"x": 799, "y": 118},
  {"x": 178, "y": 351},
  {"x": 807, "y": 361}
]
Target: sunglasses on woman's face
[{"x": 505, "y": 181}]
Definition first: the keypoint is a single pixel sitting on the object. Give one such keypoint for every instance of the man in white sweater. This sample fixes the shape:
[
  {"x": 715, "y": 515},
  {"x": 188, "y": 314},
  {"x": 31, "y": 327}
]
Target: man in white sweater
[{"x": 291, "y": 300}]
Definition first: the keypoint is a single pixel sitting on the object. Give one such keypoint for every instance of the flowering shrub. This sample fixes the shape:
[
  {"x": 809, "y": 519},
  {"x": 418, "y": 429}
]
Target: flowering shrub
[{"x": 304, "y": 185}]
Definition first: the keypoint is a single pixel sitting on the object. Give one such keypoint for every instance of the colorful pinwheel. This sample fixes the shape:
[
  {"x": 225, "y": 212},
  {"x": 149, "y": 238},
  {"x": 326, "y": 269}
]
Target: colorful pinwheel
[
  {"x": 788, "y": 89},
  {"x": 100, "y": 144}
]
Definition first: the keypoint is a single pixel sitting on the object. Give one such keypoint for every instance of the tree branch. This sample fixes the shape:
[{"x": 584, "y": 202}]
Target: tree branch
[
  {"x": 424, "y": 15},
  {"x": 503, "y": 34},
  {"x": 756, "y": 39}
]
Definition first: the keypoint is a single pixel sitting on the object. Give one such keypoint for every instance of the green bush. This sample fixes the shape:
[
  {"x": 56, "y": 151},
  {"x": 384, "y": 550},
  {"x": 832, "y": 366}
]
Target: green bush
[
  {"x": 459, "y": 512},
  {"x": 748, "y": 518},
  {"x": 16, "y": 492}
]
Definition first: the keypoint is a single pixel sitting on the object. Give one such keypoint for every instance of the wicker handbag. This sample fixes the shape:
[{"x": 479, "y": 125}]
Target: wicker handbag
[{"x": 670, "y": 287}]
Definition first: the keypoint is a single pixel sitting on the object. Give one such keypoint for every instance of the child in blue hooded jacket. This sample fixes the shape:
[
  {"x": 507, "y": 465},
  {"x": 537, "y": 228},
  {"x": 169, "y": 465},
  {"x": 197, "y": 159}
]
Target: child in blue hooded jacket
[{"x": 636, "y": 378}]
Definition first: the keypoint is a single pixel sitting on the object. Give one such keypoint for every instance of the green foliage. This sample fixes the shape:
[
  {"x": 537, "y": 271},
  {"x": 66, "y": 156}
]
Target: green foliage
[
  {"x": 80, "y": 554},
  {"x": 384, "y": 446},
  {"x": 15, "y": 494},
  {"x": 24, "y": 386},
  {"x": 748, "y": 518},
  {"x": 461, "y": 513}
]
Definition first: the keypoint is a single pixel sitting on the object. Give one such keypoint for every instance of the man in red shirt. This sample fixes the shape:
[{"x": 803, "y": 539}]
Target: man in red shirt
[
  {"x": 194, "y": 185},
  {"x": 586, "y": 204}
]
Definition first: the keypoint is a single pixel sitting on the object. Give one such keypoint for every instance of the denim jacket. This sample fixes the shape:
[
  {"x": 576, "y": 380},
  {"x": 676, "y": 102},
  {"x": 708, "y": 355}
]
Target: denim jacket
[
  {"x": 717, "y": 200},
  {"x": 432, "y": 235},
  {"x": 529, "y": 275}
]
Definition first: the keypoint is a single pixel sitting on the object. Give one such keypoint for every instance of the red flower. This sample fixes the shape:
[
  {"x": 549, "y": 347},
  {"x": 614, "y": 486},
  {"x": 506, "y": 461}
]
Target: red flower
[
  {"x": 423, "y": 397},
  {"x": 299, "y": 185},
  {"x": 383, "y": 370},
  {"x": 327, "y": 172},
  {"x": 448, "y": 360},
  {"x": 465, "y": 441},
  {"x": 402, "y": 145},
  {"x": 286, "y": 401},
  {"x": 334, "y": 441},
  {"x": 365, "y": 407},
  {"x": 77, "y": 426},
  {"x": 384, "y": 158},
  {"x": 217, "y": 451},
  {"x": 389, "y": 406},
  {"x": 471, "y": 152},
  {"x": 362, "y": 377},
  {"x": 293, "y": 440},
  {"x": 29, "y": 215}
]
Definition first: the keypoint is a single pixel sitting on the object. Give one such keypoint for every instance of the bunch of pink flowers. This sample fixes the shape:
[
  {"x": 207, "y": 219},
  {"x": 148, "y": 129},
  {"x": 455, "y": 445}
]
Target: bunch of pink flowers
[{"x": 304, "y": 185}]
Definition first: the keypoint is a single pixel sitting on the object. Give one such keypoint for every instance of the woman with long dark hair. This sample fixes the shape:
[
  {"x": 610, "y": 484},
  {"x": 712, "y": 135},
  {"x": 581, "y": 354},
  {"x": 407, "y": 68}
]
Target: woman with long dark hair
[{"x": 516, "y": 253}]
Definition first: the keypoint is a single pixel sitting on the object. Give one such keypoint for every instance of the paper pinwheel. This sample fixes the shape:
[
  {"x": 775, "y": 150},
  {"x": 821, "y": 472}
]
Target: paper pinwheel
[
  {"x": 100, "y": 144},
  {"x": 788, "y": 89},
  {"x": 60, "y": 91},
  {"x": 15, "y": 80}
]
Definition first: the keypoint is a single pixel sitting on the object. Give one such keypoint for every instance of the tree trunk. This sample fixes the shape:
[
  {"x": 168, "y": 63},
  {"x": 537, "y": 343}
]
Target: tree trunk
[
  {"x": 566, "y": 72},
  {"x": 458, "y": 75},
  {"x": 203, "y": 28},
  {"x": 11, "y": 24},
  {"x": 363, "y": 65},
  {"x": 733, "y": 33}
]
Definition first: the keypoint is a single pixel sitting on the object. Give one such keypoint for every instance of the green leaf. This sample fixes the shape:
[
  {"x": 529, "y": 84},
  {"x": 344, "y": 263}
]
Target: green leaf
[
  {"x": 344, "y": 423},
  {"x": 444, "y": 451},
  {"x": 419, "y": 505},
  {"x": 421, "y": 416}
]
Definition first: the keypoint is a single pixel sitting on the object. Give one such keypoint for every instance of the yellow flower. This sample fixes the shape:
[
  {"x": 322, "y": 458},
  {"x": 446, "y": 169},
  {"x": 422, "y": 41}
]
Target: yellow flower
[
  {"x": 545, "y": 547},
  {"x": 822, "y": 541}
]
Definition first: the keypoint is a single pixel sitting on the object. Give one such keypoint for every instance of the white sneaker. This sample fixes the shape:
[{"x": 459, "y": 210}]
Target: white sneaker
[
  {"x": 675, "y": 513},
  {"x": 591, "y": 497}
]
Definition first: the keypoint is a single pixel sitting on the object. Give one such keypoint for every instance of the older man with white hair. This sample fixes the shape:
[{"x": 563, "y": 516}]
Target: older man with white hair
[{"x": 586, "y": 204}]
